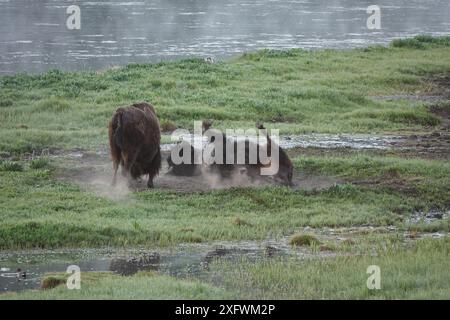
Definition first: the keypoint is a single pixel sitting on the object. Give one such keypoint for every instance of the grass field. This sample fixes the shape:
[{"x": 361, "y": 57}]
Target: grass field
[{"x": 296, "y": 91}]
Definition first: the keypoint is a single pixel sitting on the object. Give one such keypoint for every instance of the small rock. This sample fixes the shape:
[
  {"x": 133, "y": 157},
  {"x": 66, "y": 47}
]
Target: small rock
[{"x": 324, "y": 247}]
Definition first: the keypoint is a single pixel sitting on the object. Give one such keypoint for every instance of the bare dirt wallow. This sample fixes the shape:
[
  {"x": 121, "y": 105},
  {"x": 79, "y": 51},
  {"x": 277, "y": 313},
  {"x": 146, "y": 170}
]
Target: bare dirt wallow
[{"x": 93, "y": 171}]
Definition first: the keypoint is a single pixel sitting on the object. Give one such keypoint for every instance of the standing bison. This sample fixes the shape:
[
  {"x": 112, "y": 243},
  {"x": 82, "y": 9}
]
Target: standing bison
[{"x": 134, "y": 138}]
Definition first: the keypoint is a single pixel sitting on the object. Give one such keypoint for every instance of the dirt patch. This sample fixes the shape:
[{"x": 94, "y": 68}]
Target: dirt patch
[
  {"x": 442, "y": 112},
  {"x": 443, "y": 84},
  {"x": 435, "y": 145},
  {"x": 93, "y": 171},
  {"x": 402, "y": 185}
]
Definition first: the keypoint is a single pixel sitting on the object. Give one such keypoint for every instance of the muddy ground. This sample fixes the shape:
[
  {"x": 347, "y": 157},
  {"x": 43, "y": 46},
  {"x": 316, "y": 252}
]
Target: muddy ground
[{"x": 94, "y": 172}]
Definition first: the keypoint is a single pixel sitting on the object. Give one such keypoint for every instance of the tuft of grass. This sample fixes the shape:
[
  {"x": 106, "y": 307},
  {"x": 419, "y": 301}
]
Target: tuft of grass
[
  {"x": 39, "y": 163},
  {"x": 421, "y": 42},
  {"x": 193, "y": 238},
  {"x": 327, "y": 247},
  {"x": 6, "y": 103},
  {"x": 11, "y": 166},
  {"x": 167, "y": 125},
  {"x": 304, "y": 240},
  {"x": 52, "y": 282},
  {"x": 53, "y": 105},
  {"x": 240, "y": 222}
]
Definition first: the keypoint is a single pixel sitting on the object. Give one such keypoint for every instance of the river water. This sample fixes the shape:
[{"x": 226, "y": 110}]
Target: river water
[{"x": 34, "y": 36}]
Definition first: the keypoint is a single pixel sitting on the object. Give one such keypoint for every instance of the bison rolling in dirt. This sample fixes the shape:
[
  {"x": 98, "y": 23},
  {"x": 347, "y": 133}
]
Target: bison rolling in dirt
[
  {"x": 134, "y": 138},
  {"x": 227, "y": 169},
  {"x": 284, "y": 164}
]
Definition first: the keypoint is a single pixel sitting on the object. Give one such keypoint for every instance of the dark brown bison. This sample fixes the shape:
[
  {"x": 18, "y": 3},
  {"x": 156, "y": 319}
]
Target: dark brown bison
[
  {"x": 134, "y": 138},
  {"x": 253, "y": 170},
  {"x": 191, "y": 168},
  {"x": 184, "y": 169},
  {"x": 285, "y": 167}
]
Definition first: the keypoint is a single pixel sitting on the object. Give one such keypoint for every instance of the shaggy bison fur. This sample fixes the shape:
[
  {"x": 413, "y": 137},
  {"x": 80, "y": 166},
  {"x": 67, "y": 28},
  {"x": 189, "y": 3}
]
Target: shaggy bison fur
[
  {"x": 183, "y": 169},
  {"x": 284, "y": 173},
  {"x": 285, "y": 167},
  {"x": 134, "y": 138}
]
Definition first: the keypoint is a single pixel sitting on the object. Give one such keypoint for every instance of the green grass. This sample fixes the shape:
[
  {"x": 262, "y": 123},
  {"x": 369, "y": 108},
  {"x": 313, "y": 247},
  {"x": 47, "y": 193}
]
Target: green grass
[
  {"x": 39, "y": 211},
  {"x": 39, "y": 163},
  {"x": 417, "y": 273},
  {"x": 304, "y": 240},
  {"x": 10, "y": 166},
  {"x": 143, "y": 286},
  {"x": 295, "y": 91}
]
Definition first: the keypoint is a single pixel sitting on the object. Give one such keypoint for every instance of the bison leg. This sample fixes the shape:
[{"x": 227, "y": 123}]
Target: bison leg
[
  {"x": 154, "y": 167},
  {"x": 115, "y": 167},
  {"x": 123, "y": 171},
  {"x": 150, "y": 182}
]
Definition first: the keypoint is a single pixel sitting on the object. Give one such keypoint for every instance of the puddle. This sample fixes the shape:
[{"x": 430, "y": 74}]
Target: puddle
[
  {"x": 325, "y": 141},
  {"x": 328, "y": 141},
  {"x": 428, "y": 217},
  {"x": 184, "y": 261}
]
